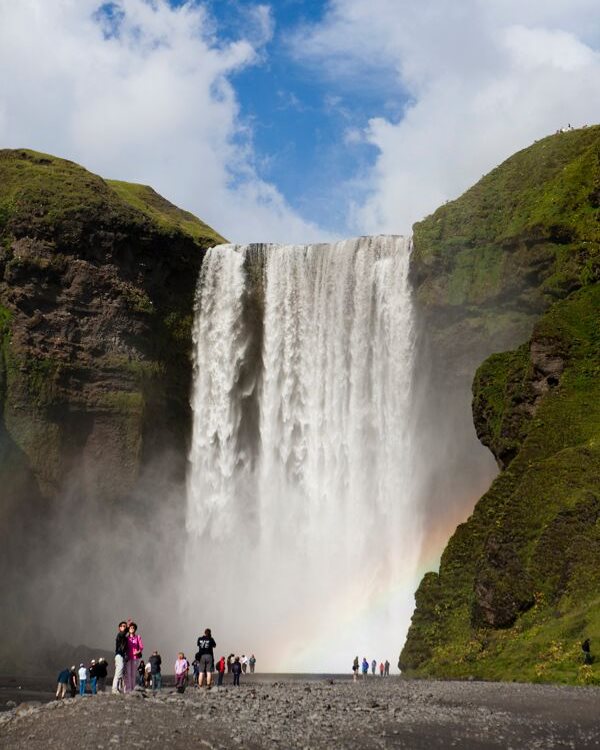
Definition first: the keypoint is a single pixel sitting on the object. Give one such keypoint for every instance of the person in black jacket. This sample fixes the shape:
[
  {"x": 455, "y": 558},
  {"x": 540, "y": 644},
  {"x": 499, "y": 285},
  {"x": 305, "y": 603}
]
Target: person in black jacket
[
  {"x": 236, "y": 668},
  {"x": 587, "y": 652},
  {"x": 155, "y": 662},
  {"x": 101, "y": 673},
  {"x": 120, "y": 657},
  {"x": 73, "y": 681},
  {"x": 205, "y": 655}
]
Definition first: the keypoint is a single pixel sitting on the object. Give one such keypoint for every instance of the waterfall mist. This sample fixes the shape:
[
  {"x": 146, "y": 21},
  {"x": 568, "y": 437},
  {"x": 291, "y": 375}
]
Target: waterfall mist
[{"x": 303, "y": 523}]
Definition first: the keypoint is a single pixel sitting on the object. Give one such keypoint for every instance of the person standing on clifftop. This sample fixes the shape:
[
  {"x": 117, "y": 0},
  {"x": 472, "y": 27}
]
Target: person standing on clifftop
[
  {"x": 587, "y": 652},
  {"x": 365, "y": 666},
  {"x": 120, "y": 656},
  {"x": 355, "y": 669},
  {"x": 373, "y": 666},
  {"x": 135, "y": 646},
  {"x": 386, "y": 669},
  {"x": 205, "y": 656}
]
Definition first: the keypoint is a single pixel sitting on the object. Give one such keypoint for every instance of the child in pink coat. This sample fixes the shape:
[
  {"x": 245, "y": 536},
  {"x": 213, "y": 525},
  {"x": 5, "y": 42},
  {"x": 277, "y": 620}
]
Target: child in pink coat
[{"x": 181, "y": 671}]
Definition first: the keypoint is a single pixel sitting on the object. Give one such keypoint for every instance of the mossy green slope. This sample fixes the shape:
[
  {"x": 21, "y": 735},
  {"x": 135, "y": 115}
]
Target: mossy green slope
[
  {"x": 97, "y": 282},
  {"x": 518, "y": 587},
  {"x": 41, "y": 194},
  {"x": 485, "y": 266}
]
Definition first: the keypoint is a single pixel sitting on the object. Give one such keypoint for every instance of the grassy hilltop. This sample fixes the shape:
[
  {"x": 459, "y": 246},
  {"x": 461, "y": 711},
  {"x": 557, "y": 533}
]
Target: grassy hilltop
[
  {"x": 97, "y": 283},
  {"x": 517, "y": 258}
]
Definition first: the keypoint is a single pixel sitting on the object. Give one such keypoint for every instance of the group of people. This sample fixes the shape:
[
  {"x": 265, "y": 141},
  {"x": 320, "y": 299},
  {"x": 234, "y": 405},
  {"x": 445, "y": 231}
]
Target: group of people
[
  {"x": 384, "y": 668},
  {"x": 204, "y": 665},
  {"x": 132, "y": 670},
  {"x": 78, "y": 680}
]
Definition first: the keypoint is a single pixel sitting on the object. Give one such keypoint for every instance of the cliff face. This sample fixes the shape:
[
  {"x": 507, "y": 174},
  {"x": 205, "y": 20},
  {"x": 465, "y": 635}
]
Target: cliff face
[
  {"x": 516, "y": 261},
  {"x": 97, "y": 282}
]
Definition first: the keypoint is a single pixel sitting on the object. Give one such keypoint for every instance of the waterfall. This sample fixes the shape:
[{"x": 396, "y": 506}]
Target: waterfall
[{"x": 302, "y": 526}]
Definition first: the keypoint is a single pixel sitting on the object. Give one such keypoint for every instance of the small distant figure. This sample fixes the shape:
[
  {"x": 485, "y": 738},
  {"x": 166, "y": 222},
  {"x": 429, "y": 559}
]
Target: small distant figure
[
  {"x": 62, "y": 682},
  {"x": 381, "y": 669},
  {"x": 141, "y": 673},
  {"x": 230, "y": 659},
  {"x": 373, "y": 666},
  {"x": 196, "y": 671},
  {"x": 101, "y": 674},
  {"x": 221, "y": 666},
  {"x": 236, "y": 669},
  {"x": 365, "y": 666},
  {"x": 82, "y": 674},
  {"x": 155, "y": 661},
  {"x": 182, "y": 668},
  {"x": 148, "y": 675},
  {"x": 587, "y": 652},
  {"x": 252, "y": 663},
  {"x": 244, "y": 661},
  {"x": 386, "y": 668},
  {"x": 73, "y": 681},
  {"x": 205, "y": 655},
  {"x": 93, "y": 677},
  {"x": 355, "y": 669}
]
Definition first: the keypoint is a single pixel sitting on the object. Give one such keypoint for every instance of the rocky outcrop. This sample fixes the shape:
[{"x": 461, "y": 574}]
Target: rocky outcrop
[
  {"x": 519, "y": 256},
  {"x": 97, "y": 284}
]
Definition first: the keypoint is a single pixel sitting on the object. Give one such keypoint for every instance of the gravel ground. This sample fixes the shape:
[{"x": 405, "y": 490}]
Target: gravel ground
[{"x": 272, "y": 713}]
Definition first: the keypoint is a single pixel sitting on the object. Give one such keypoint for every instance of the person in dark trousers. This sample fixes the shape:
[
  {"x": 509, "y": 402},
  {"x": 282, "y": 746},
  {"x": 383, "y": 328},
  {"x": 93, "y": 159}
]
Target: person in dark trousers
[
  {"x": 587, "y": 653},
  {"x": 93, "y": 670},
  {"x": 206, "y": 658},
  {"x": 252, "y": 663},
  {"x": 141, "y": 670},
  {"x": 73, "y": 681},
  {"x": 155, "y": 662},
  {"x": 220, "y": 671},
  {"x": 196, "y": 669},
  {"x": 386, "y": 668},
  {"x": 120, "y": 657},
  {"x": 236, "y": 668},
  {"x": 230, "y": 662},
  {"x": 101, "y": 673}
]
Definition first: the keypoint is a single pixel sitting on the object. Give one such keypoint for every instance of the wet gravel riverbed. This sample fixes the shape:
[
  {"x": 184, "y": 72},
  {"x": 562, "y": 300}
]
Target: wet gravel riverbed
[{"x": 315, "y": 714}]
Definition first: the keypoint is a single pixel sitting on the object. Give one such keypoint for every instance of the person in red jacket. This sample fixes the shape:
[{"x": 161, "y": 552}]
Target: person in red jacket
[{"x": 221, "y": 666}]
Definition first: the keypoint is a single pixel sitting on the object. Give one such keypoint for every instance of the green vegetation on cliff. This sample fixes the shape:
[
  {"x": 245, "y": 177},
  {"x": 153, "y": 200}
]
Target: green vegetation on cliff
[
  {"x": 532, "y": 219},
  {"x": 97, "y": 284},
  {"x": 518, "y": 587}
]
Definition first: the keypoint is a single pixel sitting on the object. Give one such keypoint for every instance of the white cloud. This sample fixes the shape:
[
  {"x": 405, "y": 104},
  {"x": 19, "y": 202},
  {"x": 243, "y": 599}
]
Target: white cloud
[
  {"x": 483, "y": 78},
  {"x": 143, "y": 96}
]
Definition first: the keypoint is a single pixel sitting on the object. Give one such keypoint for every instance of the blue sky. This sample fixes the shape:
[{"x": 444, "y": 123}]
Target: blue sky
[{"x": 296, "y": 120}]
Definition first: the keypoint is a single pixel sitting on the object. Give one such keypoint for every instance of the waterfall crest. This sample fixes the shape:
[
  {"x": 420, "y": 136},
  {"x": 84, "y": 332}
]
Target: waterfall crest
[{"x": 301, "y": 493}]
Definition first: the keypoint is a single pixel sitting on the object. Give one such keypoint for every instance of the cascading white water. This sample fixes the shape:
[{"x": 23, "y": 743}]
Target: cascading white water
[{"x": 303, "y": 531}]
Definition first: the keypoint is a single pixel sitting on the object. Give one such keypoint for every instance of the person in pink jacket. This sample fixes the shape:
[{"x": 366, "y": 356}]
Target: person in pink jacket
[{"x": 135, "y": 646}]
